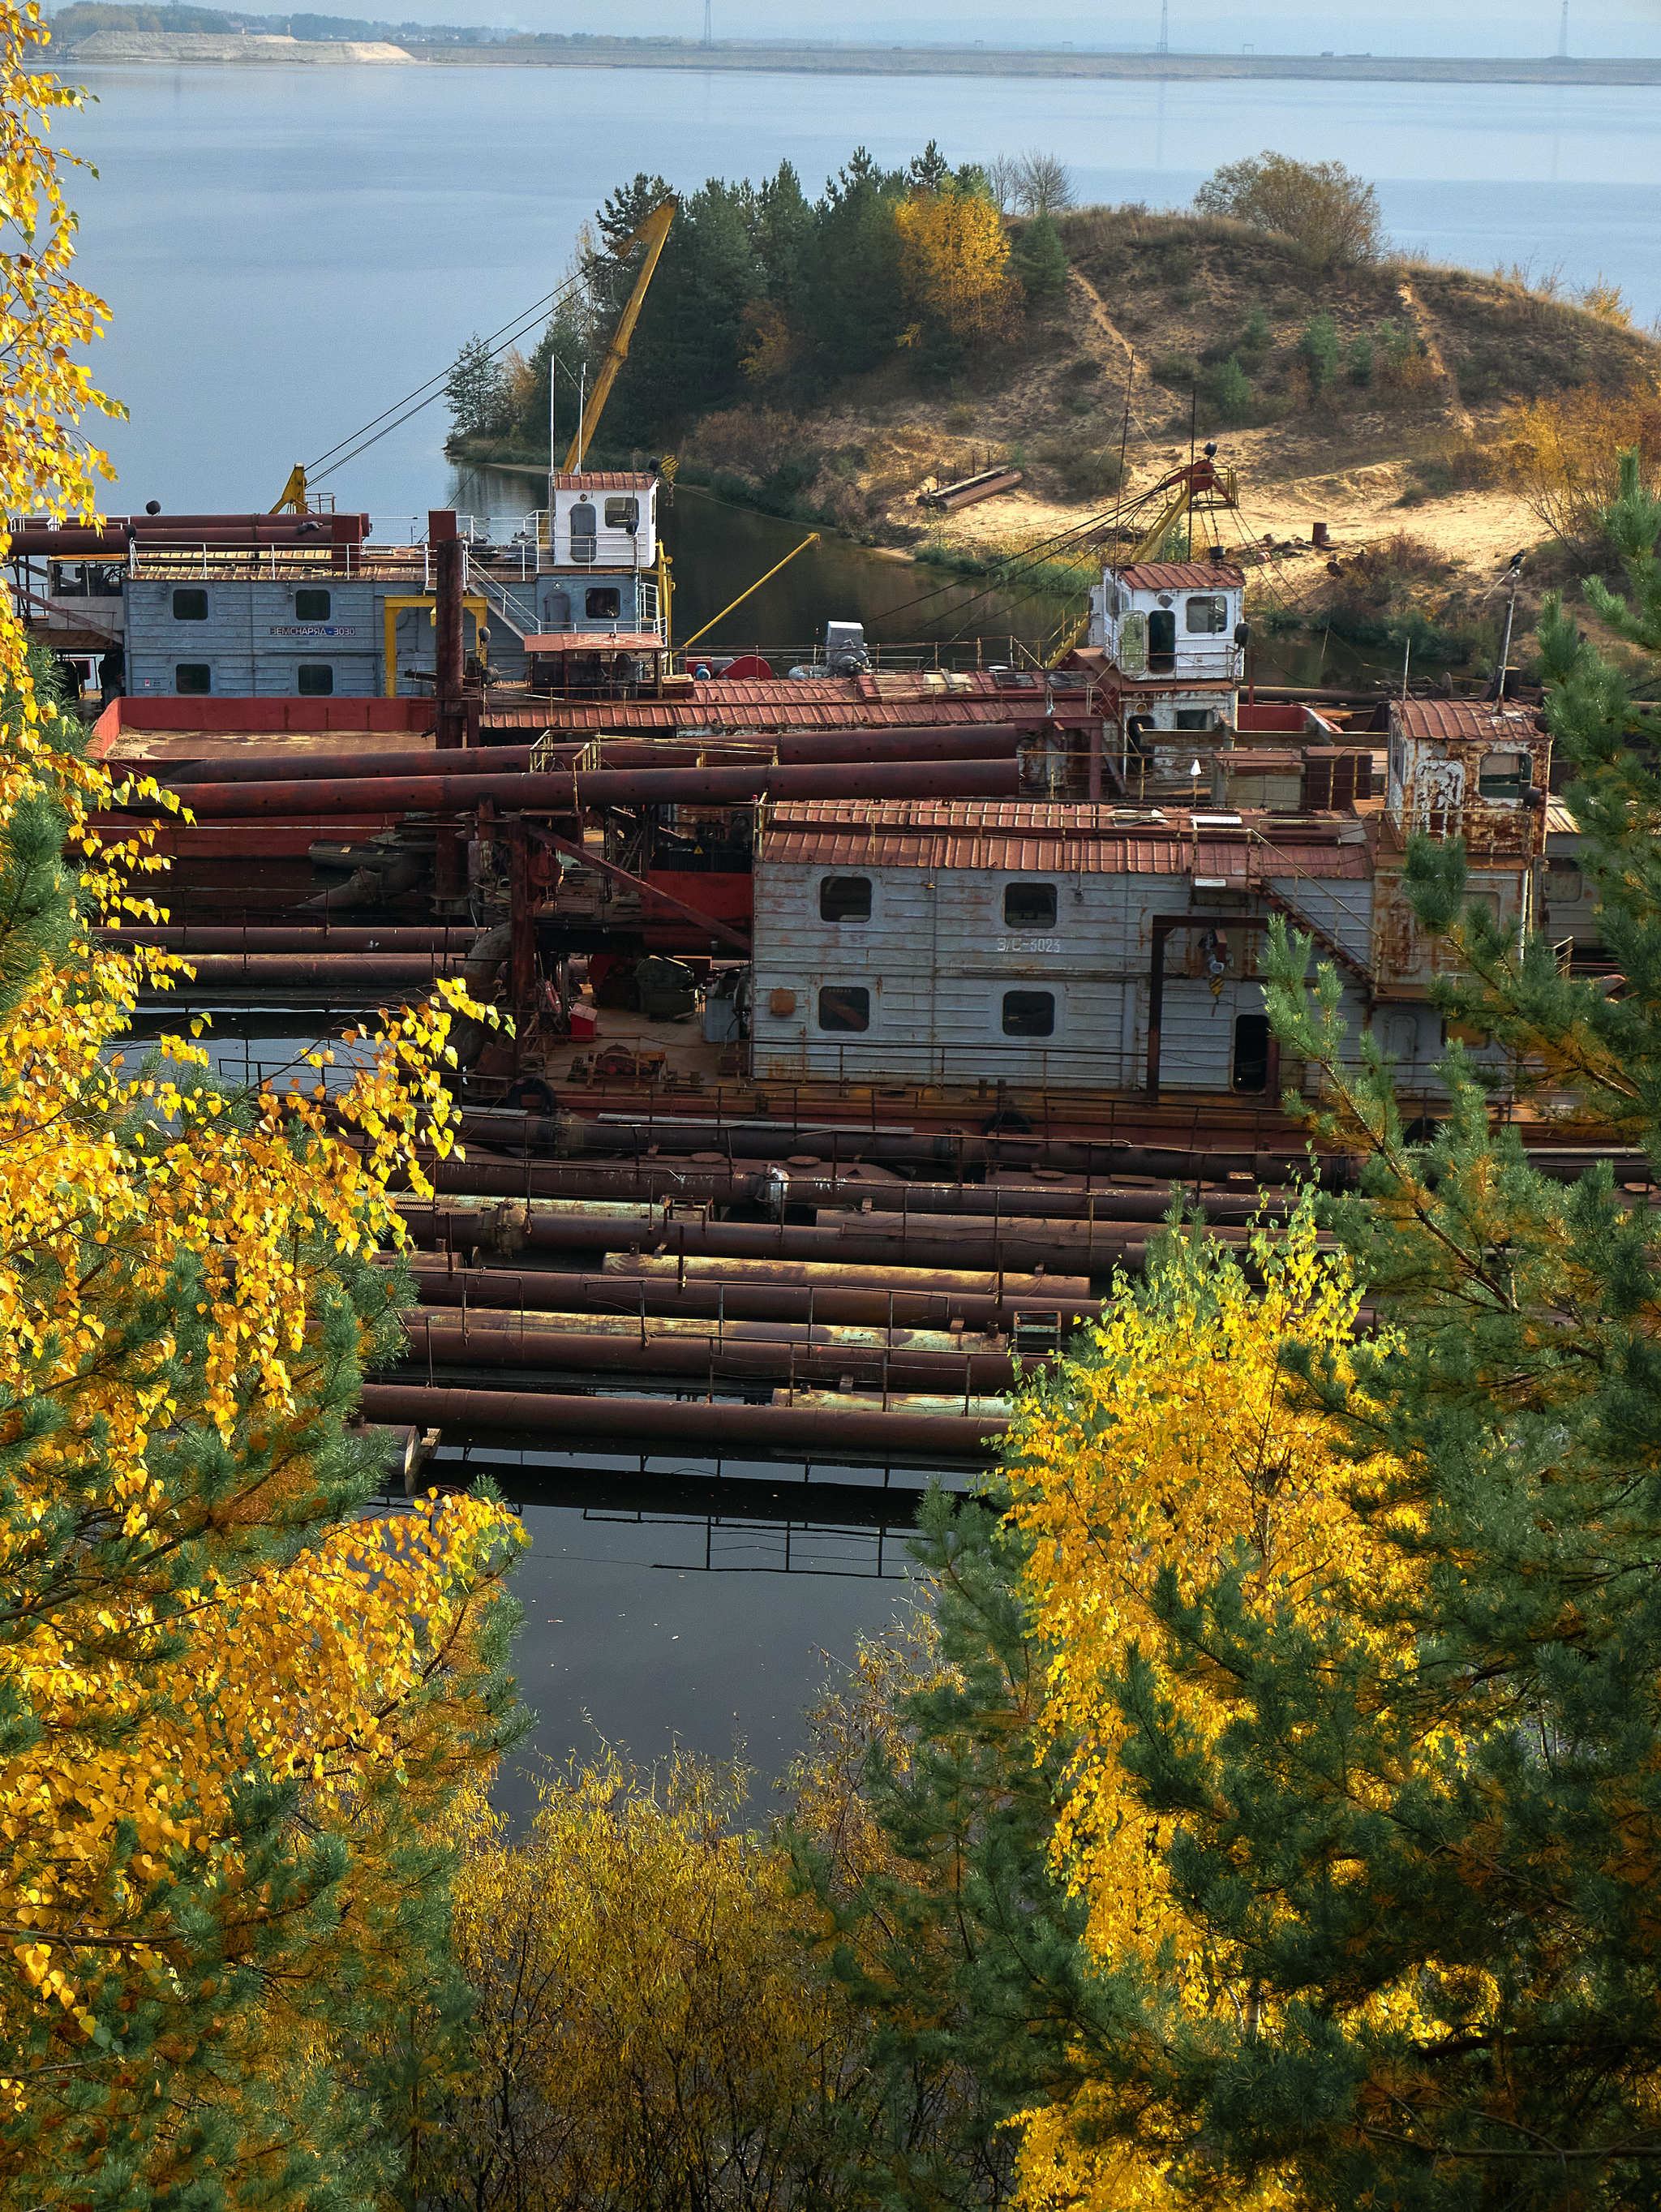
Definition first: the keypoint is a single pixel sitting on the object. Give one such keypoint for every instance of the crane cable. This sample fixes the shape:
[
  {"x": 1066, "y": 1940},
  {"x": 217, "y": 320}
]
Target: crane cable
[{"x": 510, "y": 332}]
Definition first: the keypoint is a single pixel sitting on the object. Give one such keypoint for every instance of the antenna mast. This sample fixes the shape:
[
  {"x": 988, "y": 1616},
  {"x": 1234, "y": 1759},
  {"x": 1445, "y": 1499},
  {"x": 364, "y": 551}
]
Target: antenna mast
[
  {"x": 1165, "y": 26},
  {"x": 1562, "y": 36},
  {"x": 709, "y": 23}
]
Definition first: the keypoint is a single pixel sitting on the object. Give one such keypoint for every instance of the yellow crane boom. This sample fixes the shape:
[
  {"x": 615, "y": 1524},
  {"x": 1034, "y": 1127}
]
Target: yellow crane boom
[{"x": 651, "y": 233}]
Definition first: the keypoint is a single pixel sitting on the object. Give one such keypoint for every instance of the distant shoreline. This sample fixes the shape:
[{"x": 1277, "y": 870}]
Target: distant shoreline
[{"x": 789, "y": 59}]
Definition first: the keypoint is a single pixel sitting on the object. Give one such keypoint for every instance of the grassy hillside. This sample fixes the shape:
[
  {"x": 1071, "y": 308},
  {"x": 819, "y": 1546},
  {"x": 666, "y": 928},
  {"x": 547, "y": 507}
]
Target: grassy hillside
[{"x": 1156, "y": 307}]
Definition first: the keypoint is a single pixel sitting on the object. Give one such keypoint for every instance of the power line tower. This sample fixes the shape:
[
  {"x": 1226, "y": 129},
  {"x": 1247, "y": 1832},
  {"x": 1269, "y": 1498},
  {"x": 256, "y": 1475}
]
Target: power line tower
[
  {"x": 1164, "y": 26},
  {"x": 709, "y": 22},
  {"x": 1562, "y": 36}
]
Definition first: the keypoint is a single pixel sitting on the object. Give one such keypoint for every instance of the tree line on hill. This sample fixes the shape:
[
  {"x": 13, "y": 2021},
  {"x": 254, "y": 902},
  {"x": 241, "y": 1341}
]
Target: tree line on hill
[{"x": 764, "y": 291}]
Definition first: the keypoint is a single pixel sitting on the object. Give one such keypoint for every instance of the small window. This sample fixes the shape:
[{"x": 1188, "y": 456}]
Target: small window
[
  {"x": 316, "y": 681},
  {"x": 1252, "y": 1052},
  {"x": 311, "y": 606},
  {"x": 1503, "y": 775},
  {"x": 192, "y": 676},
  {"x": 190, "y": 606},
  {"x": 845, "y": 1007},
  {"x": 1029, "y": 1013},
  {"x": 1208, "y": 617},
  {"x": 604, "y": 603},
  {"x": 1195, "y": 718},
  {"x": 845, "y": 898},
  {"x": 1030, "y": 906},
  {"x": 623, "y": 514},
  {"x": 1564, "y": 882}
]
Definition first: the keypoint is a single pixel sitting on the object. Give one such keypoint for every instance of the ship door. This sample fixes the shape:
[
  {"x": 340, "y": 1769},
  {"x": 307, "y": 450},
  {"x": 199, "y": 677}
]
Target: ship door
[
  {"x": 584, "y": 532},
  {"x": 1162, "y": 640}
]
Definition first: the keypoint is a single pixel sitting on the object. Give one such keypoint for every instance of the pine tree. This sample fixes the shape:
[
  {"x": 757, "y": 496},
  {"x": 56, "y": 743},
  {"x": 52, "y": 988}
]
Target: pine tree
[
  {"x": 1430, "y": 1832},
  {"x": 1040, "y": 258}
]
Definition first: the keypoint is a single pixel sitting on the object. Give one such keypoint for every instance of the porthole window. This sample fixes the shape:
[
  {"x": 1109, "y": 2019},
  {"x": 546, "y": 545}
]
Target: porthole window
[
  {"x": 845, "y": 898},
  {"x": 316, "y": 680},
  {"x": 190, "y": 606},
  {"x": 844, "y": 1007},
  {"x": 312, "y": 606},
  {"x": 1030, "y": 906},
  {"x": 192, "y": 677},
  {"x": 1029, "y": 1013}
]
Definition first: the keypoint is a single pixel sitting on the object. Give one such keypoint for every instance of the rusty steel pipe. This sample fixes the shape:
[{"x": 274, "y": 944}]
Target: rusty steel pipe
[
  {"x": 1020, "y": 1247},
  {"x": 948, "y": 741},
  {"x": 740, "y": 1354},
  {"x": 711, "y": 1297},
  {"x": 640, "y": 1422},
  {"x": 391, "y": 971},
  {"x": 1003, "y": 1289},
  {"x": 566, "y": 794},
  {"x": 760, "y": 1182},
  {"x": 319, "y": 937}
]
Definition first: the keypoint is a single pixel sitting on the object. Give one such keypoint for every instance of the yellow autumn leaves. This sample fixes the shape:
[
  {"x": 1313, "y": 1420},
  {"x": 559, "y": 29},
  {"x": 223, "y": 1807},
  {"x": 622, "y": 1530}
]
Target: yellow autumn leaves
[
  {"x": 195, "y": 1613},
  {"x": 1176, "y": 1447}
]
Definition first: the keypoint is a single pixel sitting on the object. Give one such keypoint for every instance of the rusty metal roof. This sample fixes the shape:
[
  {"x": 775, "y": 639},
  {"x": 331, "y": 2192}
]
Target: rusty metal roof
[
  {"x": 602, "y": 480},
  {"x": 799, "y": 709},
  {"x": 1015, "y": 835},
  {"x": 1180, "y": 575},
  {"x": 1464, "y": 722}
]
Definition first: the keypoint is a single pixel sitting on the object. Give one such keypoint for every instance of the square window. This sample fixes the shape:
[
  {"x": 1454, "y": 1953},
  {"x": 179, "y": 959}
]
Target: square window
[
  {"x": 845, "y": 898},
  {"x": 190, "y": 606},
  {"x": 1030, "y": 906},
  {"x": 1502, "y": 775},
  {"x": 604, "y": 604},
  {"x": 623, "y": 514},
  {"x": 1208, "y": 617},
  {"x": 1029, "y": 1013},
  {"x": 1194, "y": 718},
  {"x": 192, "y": 676},
  {"x": 845, "y": 1007},
  {"x": 316, "y": 680},
  {"x": 311, "y": 606}
]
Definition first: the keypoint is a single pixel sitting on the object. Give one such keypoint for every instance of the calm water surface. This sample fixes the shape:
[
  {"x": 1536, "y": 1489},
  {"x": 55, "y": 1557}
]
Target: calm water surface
[{"x": 287, "y": 251}]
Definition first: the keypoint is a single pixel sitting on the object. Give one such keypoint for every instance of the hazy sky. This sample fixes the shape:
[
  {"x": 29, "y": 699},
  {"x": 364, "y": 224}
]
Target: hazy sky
[{"x": 1529, "y": 26}]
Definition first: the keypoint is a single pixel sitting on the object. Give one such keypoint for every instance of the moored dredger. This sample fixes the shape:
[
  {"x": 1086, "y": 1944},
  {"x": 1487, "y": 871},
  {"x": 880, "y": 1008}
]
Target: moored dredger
[{"x": 932, "y": 986}]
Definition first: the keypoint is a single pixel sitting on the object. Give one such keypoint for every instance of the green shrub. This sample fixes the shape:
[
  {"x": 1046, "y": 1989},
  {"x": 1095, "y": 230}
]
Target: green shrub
[
  {"x": 1318, "y": 349},
  {"x": 1040, "y": 258},
  {"x": 1176, "y": 369},
  {"x": 1359, "y": 359},
  {"x": 1233, "y": 391},
  {"x": 1256, "y": 337}
]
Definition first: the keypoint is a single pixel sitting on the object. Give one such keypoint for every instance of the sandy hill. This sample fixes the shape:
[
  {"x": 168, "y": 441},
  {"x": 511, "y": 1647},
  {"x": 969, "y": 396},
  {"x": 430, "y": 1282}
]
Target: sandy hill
[{"x": 1423, "y": 360}]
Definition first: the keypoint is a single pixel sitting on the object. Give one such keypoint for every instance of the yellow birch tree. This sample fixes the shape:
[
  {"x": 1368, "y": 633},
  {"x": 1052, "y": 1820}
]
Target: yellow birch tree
[{"x": 233, "y": 1699}]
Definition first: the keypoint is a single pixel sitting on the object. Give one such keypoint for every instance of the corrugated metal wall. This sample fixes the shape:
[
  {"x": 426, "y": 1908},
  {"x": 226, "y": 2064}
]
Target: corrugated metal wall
[{"x": 253, "y": 639}]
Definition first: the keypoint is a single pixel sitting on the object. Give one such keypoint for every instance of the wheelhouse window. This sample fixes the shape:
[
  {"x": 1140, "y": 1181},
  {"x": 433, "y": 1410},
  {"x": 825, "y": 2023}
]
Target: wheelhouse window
[
  {"x": 604, "y": 603},
  {"x": 844, "y": 1007},
  {"x": 1030, "y": 906},
  {"x": 1029, "y": 1013},
  {"x": 316, "y": 680},
  {"x": 1207, "y": 614},
  {"x": 190, "y": 606},
  {"x": 1503, "y": 775},
  {"x": 312, "y": 606},
  {"x": 845, "y": 898},
  {"x": 623, "y": 514},
  {"x": 192, "y": 677}
]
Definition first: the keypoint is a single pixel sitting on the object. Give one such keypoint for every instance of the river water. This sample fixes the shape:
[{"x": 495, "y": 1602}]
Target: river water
[{"x": 287, "y": 252}]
